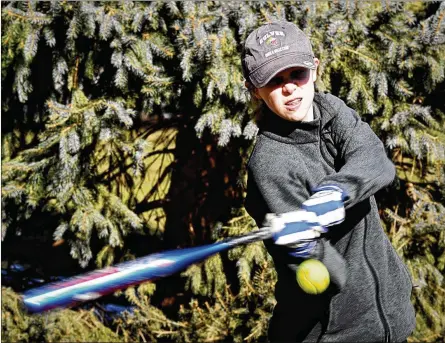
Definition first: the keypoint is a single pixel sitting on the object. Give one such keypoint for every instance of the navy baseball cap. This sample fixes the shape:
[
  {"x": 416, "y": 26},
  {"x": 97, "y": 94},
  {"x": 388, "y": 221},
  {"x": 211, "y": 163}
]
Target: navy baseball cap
[{"x": 272, "y": 48}]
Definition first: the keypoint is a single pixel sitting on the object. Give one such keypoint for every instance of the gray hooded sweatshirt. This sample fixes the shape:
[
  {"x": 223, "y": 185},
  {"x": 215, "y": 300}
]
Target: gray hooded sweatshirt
[{"x": 337, "y": 148}]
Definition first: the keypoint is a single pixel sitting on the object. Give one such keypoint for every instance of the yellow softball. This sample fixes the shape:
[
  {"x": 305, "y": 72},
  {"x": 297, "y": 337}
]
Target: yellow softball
[{"x": 313, "y": 276}]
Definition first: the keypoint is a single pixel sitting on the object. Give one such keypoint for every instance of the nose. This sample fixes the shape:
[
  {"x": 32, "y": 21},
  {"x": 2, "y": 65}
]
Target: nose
[{"x": 289, "y": 87}]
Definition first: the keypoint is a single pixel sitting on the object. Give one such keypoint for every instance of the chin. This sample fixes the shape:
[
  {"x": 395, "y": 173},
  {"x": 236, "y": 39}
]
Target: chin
[{"x": 296, "y": 117}]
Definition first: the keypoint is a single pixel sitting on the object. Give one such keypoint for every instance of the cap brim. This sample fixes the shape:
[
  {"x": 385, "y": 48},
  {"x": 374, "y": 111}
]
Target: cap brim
[{"x": 261, "y": 76}]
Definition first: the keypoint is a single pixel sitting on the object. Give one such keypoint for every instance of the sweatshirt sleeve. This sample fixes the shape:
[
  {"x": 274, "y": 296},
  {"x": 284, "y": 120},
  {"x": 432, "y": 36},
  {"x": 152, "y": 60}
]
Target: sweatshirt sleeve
[{"x": 365, "y": 166}]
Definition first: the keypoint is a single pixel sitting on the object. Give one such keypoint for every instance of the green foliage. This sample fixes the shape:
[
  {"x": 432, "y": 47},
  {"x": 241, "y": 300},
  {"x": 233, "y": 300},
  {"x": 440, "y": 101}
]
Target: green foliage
[
  {"x": 221, "y": 315},
  {"x": 228, "y": 316},
  {"x": 85, "y": 87},
  {"x": 56, "y": 326},
  {"x": 419, "y": 238},
  {"x": 146, "y": 323}
]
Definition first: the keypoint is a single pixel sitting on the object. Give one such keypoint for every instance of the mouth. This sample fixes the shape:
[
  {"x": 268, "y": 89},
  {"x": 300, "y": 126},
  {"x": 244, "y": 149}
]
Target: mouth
[{"x": 293, "y": 104}]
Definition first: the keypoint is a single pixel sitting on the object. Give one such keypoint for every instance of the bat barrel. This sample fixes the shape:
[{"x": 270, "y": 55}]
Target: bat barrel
[{"x": 98, "y": 283}]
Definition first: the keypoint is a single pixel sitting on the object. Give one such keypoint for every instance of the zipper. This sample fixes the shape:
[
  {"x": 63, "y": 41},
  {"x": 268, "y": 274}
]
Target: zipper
[
  {"x": 382, "y": 316},
  {"x": 324, "y": 155},
  {"x": 323, "y": 146}
]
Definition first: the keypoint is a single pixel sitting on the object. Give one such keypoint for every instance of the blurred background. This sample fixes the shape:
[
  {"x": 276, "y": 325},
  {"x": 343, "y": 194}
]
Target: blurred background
[{"x": 126, "y": 128}]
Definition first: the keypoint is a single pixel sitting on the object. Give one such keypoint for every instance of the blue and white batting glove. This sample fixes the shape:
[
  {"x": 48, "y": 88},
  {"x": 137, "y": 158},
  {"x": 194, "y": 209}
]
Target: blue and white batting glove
[
  {"x": 297, "y": 230},
  {"x": 327, "y": 203}
]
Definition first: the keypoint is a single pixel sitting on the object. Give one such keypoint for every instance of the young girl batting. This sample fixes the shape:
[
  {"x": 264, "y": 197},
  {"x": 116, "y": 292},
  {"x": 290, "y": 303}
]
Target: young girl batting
[{"x": 312, "y": 176}]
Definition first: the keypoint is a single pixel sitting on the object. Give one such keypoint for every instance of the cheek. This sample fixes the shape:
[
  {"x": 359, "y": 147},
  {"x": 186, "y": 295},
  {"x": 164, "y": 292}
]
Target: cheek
[
  {"x": 272, "y": 104},
  {"x": 267, "y": 97},
  {"x": 273, "y": 98},
  {"x": 309, "y": 93}
]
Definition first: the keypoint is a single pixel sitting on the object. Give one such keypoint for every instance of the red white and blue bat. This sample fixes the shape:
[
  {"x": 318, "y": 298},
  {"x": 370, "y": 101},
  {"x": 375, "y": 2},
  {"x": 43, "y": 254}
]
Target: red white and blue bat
[{"x": 95, "y": 284}]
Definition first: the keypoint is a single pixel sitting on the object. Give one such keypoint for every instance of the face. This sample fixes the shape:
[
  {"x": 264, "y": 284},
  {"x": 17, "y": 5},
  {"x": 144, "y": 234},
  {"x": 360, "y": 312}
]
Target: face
[{"x": 289, "y": 94}]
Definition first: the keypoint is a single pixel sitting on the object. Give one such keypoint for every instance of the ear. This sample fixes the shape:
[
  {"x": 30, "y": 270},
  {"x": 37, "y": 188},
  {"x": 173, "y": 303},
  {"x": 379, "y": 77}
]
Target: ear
[
  {"x": 252, "y": 89},
  {"x": 314, "y": 74},
  {"x": 255, "y": 93}
]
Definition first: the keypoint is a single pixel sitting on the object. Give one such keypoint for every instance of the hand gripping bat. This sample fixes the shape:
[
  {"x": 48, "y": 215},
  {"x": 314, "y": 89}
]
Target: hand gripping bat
[{"x": 95, "y": 284}]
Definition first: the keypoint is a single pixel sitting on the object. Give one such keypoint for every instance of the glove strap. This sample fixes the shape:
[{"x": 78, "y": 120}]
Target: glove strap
[
  {"x": 304, "y": 250},
  {"x": 344, "y": 195}
]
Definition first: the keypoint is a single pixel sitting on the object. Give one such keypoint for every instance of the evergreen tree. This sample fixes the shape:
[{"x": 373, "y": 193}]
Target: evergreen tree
[{"x": 126, "y": 128}]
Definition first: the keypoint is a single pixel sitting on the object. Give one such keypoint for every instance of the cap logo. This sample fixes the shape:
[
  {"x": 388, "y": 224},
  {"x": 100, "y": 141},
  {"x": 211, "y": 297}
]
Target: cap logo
[
  {"x": 272, "y": 42},
  {"x": 309, "y": 64},
  {"x": 277, "y": 50},
  {"x": 271, "y": 34}
]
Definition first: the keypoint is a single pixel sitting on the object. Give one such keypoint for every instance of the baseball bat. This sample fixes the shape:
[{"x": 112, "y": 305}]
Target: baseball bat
[{"x": 95, "y": 284}]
